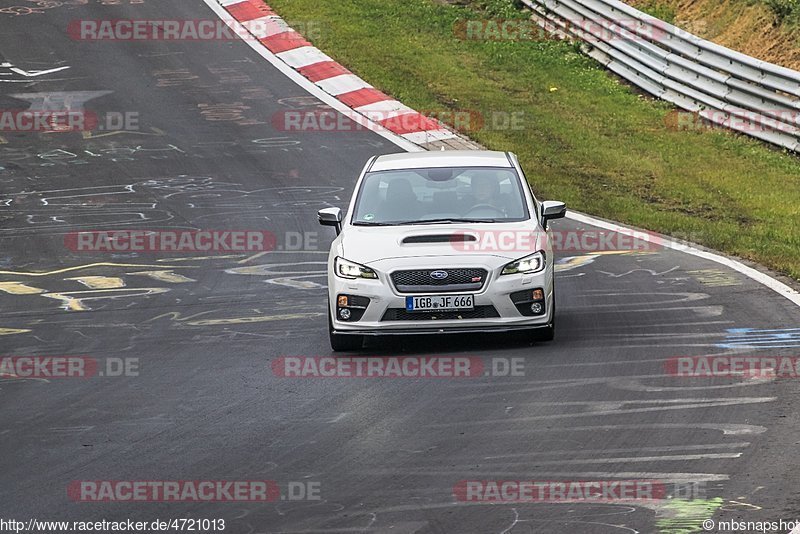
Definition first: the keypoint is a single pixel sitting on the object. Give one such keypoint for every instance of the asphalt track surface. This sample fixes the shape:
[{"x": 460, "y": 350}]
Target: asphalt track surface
[{"x": 595, "y": 404}]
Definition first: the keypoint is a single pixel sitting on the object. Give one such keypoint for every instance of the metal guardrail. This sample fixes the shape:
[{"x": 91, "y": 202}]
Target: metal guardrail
[{"x": 720, "y": 85}]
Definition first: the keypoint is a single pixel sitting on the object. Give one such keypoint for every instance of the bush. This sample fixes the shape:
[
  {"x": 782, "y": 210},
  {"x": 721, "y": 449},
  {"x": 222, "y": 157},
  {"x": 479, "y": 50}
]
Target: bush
[{"x": 784, "y": 9}]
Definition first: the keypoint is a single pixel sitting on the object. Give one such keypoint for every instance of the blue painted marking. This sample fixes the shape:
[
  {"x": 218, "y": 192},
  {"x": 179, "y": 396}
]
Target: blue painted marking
[{"x": 769, "y": 338}]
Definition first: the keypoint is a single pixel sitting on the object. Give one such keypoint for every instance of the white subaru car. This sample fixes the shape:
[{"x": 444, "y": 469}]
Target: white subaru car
[{"x": 440, "y": 242}]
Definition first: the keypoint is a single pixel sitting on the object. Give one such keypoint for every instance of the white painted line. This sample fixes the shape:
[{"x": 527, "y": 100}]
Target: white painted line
[
  {"x": 339, "y": 417},
  {"x": 35, "y": 73},
  {"x": 645, "y": 459},
  {"x": 731, "y": 429},
  {"x": 344, "y": 83},
  {"x": 562, "y": 474},
  {"x": 622, "y": 412},
  {"x": 777, "y": 286},
  {"x": 303, "y": 57},
  {"x": 667, "y": 448},
  {"x": 310, "y": 87},
  {"x": 232, "y": 2}
]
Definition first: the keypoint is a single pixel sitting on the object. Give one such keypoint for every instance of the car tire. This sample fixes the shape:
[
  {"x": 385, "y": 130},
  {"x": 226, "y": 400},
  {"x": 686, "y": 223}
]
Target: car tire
[
  {"x": 343, "y": 342},
  {"x": 547, "y": 333}
]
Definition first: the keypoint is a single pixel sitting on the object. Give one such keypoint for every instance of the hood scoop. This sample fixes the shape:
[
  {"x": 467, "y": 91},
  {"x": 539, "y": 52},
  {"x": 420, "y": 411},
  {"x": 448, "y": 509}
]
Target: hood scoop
[{"x": 439, "y": 238}]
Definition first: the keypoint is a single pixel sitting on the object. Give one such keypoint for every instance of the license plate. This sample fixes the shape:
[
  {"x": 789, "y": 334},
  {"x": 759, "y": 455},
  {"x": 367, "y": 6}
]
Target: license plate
[{"x": 429, "y": 303}]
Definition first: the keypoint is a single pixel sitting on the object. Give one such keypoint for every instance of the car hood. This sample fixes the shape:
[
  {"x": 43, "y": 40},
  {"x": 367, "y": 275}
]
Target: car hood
[{"x": 504, "y": 241}]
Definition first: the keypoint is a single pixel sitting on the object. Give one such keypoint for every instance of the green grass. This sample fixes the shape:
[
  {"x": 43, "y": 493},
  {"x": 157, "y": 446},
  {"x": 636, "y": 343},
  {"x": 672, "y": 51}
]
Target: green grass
[
  {"x": 659, "y": 10},
  {"x": 588, "y": 139}
]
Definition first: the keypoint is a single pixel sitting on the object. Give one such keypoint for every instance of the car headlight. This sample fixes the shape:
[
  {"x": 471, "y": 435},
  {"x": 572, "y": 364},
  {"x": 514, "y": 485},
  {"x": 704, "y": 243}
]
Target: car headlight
[
  {"x": 347, "y": 269},
  {"x": 527, "y": 265}
]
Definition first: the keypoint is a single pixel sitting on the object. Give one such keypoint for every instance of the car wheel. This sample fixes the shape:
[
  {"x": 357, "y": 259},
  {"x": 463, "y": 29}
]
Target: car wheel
[
  {"x": 548, "y": 333},
  {"x": 343, "y": 342}
]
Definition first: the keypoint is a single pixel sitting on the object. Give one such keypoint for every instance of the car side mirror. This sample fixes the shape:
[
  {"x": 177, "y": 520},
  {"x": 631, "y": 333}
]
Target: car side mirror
[
  {"x": 331, "y": 217},
  {"x": 552, "y": 209}
]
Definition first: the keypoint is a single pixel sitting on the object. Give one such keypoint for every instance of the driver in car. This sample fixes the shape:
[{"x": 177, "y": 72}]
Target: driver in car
[{"x": 486, "y": 192}]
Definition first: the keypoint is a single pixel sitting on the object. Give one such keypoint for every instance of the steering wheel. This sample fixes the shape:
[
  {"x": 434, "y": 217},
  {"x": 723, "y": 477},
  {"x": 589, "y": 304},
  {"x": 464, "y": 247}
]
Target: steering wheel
[{"x": 484, "y": 207}]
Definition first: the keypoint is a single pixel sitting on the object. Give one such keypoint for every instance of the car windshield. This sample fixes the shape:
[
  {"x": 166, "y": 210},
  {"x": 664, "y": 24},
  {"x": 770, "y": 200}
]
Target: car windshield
[{"x": 442, "y": 195}]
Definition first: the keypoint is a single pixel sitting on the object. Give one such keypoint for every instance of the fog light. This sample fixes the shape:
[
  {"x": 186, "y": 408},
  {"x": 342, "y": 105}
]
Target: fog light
[
  {"x": 537, "y": 307},
  {"x": 344, "y": 313},
  {"x": 538, "y": 294},
  {"x": 342, "y": 301}
]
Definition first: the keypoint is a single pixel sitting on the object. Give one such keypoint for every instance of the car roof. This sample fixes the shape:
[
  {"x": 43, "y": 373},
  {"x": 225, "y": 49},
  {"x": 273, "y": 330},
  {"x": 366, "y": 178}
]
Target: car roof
[{"x": 446, "y": 158}]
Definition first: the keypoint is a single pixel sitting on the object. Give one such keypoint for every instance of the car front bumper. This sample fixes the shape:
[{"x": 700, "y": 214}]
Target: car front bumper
[{"x": 493, "y": 299}]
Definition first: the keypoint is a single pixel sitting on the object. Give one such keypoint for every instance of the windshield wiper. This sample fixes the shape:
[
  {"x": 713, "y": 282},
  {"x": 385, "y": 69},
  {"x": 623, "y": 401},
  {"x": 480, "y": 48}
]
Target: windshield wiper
[
  {"x": 448, "y": 220},
  {"x": 424, "y": 221}
]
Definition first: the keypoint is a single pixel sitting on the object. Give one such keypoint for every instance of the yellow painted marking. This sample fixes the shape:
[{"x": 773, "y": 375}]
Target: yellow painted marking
[
  {"x": 275, "y": 269},
  {"x": 257, "y": 319},
  {"x": 574, "y": 262},
  {"x": 262, "y": 253},
  {"x": 12, "y": 331},
  {"x": 100, "y": 282},
  {"x": 18, "y": 288},
  {"x": 3, "y": 140},
  {"x": 87, "y": 266},
  {"x": 296, "y": 283},
  {"x": 254, "y": 257},
  {"x": 715, "y": 278},
  {"x": 165, "y": 276},
  {"x": 75, "y": 301},
  {"x": 69, "y": 303}
]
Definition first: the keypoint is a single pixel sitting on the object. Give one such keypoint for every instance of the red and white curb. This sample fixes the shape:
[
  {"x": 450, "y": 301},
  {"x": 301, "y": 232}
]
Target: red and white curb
[
  {"x": 362, "y": 98},
  {"x": 339, "y": 88}
]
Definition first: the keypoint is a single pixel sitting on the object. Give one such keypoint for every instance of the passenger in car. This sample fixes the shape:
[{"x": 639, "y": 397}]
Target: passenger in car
[{"x": 401, "y": 202}]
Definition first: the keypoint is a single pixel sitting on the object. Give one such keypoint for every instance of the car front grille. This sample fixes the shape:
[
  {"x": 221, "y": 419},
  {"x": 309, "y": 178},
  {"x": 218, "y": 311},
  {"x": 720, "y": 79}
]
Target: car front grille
[
  {"x": 479, "y": 312},
  {"x": 421, "y": 281}
]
